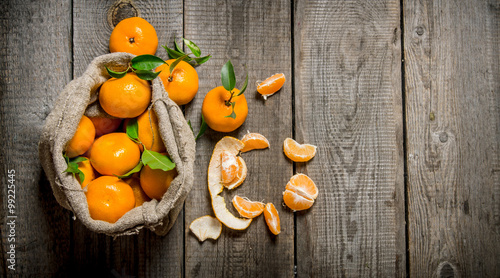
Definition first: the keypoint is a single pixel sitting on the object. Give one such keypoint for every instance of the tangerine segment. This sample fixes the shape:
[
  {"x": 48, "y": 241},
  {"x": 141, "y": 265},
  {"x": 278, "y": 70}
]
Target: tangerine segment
[
  {"x": 114, "y": 154},
  {"x": 272, "y": 218},
  {"x": 229, "y": 167},
  {"x": 296, "y": 200},
  {"x": 134, "y": 35},
  {"x": 82, "y": 139},
  {"x": 254, "y": 141},
  {"x": 240, "y": 176},
  {"x": 182, "y": 84},
  {"x": 298, "y": 152},
  {"x": 206, "y": 227},
  {"x": 247, "y": 208},
  {"x": 126, "y": 97},
  {"x": 215, "y": 109},
  {"x": 271, "y": 85},
  {"x": 109, "y": 198}
]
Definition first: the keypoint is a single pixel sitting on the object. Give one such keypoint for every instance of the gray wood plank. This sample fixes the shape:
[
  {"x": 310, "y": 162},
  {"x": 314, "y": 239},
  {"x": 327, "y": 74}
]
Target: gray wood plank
[
  {"x": 35, "y": 60},
  {"x": 256, "y": 34},
  {"x": 453, "y": 128},
  {"x": 145, "y": 254},
  {"x": 348, "y": 103}
]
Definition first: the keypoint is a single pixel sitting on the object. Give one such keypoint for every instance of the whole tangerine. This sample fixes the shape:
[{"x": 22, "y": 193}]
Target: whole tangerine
[
  {"x": 109, "y": 198},
  {"x": 134, "y": 35},
  {"x": 82, "y": 139},
  {"x": 114, "y": 154},
  {"x": 155, "y": 182},
  {"x": 216, "y": 109},
  {"x": 182, "y": 84},
  {"x": 125, "y": 97}
]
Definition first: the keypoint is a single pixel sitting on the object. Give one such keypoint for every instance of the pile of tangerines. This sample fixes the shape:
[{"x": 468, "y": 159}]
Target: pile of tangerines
[{"x": 121, "y": 162}]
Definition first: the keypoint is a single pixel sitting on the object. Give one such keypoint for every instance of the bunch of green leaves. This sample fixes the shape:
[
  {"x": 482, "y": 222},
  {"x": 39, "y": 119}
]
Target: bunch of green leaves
[
  {"x": 228, "y": 79},
  {"x": 177, "y": 53},
  {"x": 73, "y": 166},
  {"x": 154, "y": 160},
  {"x": 142, "y": 65}
]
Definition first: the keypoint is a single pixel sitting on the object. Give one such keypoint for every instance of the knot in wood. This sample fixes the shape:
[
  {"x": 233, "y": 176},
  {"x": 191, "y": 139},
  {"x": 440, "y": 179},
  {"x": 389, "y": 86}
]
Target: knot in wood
[
  {"x": 120, "y": 10},
  {"x": 443, "y": 137},
  {"x": 420, "y": 30}
]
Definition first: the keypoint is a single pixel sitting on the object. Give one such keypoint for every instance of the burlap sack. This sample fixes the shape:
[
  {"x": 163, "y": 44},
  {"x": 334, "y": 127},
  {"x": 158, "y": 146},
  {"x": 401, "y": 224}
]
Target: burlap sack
[{"x": 79, "y": 97}]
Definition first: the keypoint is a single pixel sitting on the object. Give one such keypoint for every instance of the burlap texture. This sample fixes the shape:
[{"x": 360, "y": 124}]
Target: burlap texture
[{"x": 79, "y": 97}]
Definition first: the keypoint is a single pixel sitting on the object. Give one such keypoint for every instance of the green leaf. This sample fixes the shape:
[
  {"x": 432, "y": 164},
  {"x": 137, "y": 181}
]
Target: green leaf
[
  {"x": 146, "y": 74},
  {"x": 173, "y": 54},
  {"x": 178, "y": 48},
  {"x": 73, "y": 167},
  {"x": 194, "y": 48},
  {"x": 232, "y": 115},
  {"x": 116, "y": 74},
  {"x": 244, "y": 86},
  {"x": 202, "y": 60},
  {"x": 132, "y": 129},
  {"x": 190, "y": 126},
  {"x": 157, "y": 160},
  {"x": 203, "y": 127},
  {"x": 136, "y": 169},
  {"x": 146, "y": 62},
  {"x": 176, "y": 62},
  {"x": 227, "y": 76}
]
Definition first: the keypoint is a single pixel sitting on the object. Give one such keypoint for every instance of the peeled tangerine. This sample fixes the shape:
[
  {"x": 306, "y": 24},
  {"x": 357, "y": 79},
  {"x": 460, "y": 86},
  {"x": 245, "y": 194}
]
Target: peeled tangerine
[
  {"x": 216, "y": 186},
  {"x": 233, "y": 170},
  {"x": 206, "y": 227},
  {"x": 300, "y": 192}
]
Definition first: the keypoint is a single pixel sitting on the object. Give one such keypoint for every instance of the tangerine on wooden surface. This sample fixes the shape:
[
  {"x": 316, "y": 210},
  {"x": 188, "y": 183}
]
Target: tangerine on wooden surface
[
  {"x": 114, "y": 154},
  {"x": 272, "y": 218},
  {"x": 240, "y": 175},
  {"x": 82, "y": 139},
  {"x": 271, "y": 85},
  {"x": 109, "y": 198},
  {"x": 247, "y": 208},
  {"x": 87, "y": 171},
  {"x": 140, "y": 196},
  {"x": 182, "y": 84},
  {"x": 134, "y": 35},
  {"x": 105, "y": 125},
  {"x": 215, "y": 109},
  {"x": 254, "y": 141},
  {"x": 126, "y": 97},
  {"x": 300, "y": 192},
  {"x": 298, "y": 152},
  {"x": 155, "y": 182}
]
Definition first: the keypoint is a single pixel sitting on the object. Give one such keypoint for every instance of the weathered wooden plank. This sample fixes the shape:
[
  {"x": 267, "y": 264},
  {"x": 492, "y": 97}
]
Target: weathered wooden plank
[
  {"x": 35, "y": 66},
  {"x": 256, "y": 34},
  {"x": 453, "y": 122},
  {"x": 144, "y": 254},
  {"x": 348, "y": 103}
]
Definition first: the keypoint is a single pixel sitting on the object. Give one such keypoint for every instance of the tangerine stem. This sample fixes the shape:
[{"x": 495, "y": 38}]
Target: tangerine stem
[{"x": 228, "y": 102}]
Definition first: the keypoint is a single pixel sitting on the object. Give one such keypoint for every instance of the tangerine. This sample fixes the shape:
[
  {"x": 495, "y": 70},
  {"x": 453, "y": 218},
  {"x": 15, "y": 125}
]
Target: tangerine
[
  {"x": 139, "y": 194},
  {"x": 134, "y": 35},
  {"x": 298, "y": 152},
  {"x": 109, "y": 198},
  {"x": 82, "y": 139},
  {"x": 216, "y": 109},
  {"x": 182, "y": 84},
  {"x": 114, "y": 154},
  {"x": 155, "y": 182},
  {"x": 272, "y": 218},
  {"x": 126, "y": 97},
  {"x": 149, "y": 133},
  {"x": 104, "y": 125},
  {"x": 271, "y": 85},
  {"x": 87, "y": 171}
]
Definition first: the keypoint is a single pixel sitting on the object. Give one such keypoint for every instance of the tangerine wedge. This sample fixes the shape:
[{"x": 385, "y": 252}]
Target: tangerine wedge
[
  {"x": 272, "y": 218},
  {"x": 247, "y": 208},
  {"x": 298, "y": 152},
  {"x": 271, "y": 85},
  {"x": 254, "y": 141}
]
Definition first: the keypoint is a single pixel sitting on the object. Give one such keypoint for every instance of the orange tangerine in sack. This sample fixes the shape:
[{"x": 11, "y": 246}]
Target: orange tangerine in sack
[
  {"x": 272, "y": 218},
  {"x": 254, "y": 141},
  {"x": 300, "y": 192},
  {"x": 133, "y": 35},
  {"x": 82, "y": 139},
  {"x": 216, "y": 109},
  {"x": 271, "y": 85},
  {"x": 88, "y": 172},
  {"x": 149, "y": 133},
  {"x": 247, "y": 208},
  {"x": 155, "y": 182},
  {"x": 298, "y": 152},
  {"x": 139, "y": 194},
  {"x": 126, "y": 97},
  {"x": 105, "y": 125},
  {"x": 182, "y": 84},
  {"x": 114, "y": 154},
  {"x": 109, "y": 198}
]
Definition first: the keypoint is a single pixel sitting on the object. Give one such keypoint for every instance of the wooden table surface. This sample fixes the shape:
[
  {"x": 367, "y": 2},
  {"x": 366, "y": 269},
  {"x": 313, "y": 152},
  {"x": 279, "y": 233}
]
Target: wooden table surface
[{"x": 401, "y": 98}]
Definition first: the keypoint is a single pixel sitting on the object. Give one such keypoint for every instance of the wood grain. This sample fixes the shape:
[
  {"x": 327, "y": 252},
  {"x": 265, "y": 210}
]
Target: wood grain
[
  {"x": 35, "y": 66},
  {"x": 453, "y": 140},
  {"x": 257, "y": 35},
  {"x": 348, "y": 103},
  {"x": 145, "y": 254}
]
